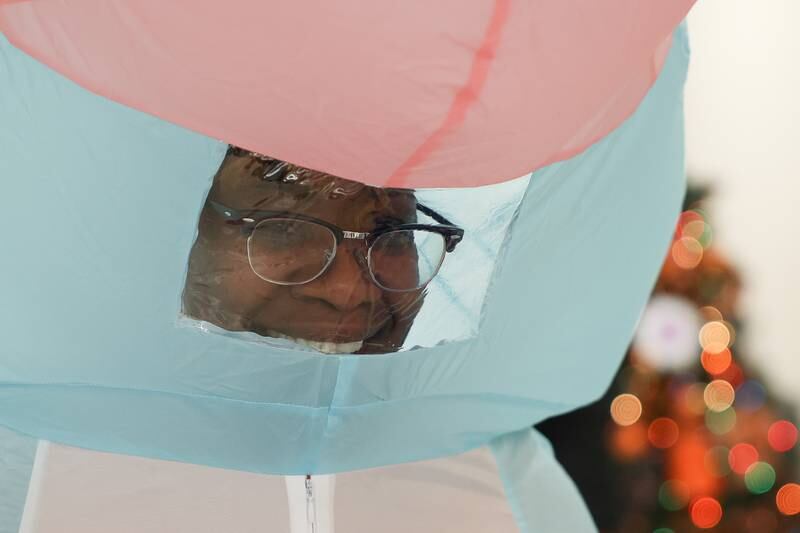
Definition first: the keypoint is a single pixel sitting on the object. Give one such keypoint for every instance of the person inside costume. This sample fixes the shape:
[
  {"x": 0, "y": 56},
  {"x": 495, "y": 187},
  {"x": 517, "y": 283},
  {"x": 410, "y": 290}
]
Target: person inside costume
[{"x": 329, "y": 263}]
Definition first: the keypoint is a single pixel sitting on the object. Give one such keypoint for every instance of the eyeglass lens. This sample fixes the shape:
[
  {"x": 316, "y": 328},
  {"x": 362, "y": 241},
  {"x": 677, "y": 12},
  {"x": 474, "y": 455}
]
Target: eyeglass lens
[
  {"x": 406, "y": 259},
  {"x": 293, "y": 252},
  {"x": 290, "y": 251}
]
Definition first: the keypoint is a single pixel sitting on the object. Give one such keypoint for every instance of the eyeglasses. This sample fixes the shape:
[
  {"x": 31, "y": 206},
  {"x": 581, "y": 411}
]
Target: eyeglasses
[{"x": 288, "y": 248}]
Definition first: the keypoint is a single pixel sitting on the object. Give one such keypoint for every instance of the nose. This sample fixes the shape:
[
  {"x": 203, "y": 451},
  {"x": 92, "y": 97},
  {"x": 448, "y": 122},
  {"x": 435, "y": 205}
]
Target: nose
[{"x": 346, "y": 284}]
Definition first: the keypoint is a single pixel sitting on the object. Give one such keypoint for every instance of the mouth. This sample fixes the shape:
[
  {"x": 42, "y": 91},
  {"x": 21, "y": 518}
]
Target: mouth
[{"x": 321, "y": 346}]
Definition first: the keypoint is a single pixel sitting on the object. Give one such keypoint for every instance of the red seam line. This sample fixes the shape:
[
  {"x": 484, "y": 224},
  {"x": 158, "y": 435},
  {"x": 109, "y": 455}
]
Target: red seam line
[{"x": 465, "y": 97}]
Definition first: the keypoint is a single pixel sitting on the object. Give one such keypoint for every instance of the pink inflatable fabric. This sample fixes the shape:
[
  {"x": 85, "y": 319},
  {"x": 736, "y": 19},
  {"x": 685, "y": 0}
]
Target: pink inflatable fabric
[{"x": 405, "y": 94}]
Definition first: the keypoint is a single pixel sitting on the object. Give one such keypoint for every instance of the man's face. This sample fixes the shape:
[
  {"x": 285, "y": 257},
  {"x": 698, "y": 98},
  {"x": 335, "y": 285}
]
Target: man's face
[{"x": 342, "y": 310}]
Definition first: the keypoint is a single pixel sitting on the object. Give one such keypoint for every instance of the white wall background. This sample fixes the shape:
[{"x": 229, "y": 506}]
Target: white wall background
[{"x": 743, "y": 138}]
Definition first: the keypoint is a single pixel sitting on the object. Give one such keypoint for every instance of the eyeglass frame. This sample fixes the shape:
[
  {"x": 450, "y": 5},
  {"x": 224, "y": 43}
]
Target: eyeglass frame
[{"x": 250, "y": 219}]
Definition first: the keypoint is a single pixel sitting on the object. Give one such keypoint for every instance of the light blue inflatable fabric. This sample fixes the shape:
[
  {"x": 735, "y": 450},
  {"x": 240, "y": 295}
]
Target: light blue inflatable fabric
[
  {"x": 542, "y": 496},
  {"x": 99, "y": 212},
  {"x": 17, "y": 453}
]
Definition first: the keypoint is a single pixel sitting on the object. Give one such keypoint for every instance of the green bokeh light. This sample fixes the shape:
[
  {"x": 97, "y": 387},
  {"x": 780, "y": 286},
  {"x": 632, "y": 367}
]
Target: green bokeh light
[
  {"x": 673, "y": 495},
  {"x": 663, "y": 530},
  {"x": 721, "y": 423},
  {"x": 707, "y": 236},
  {"x": 701, "y": 212},
  {"x": 716, "y": 461},
  {"x": 759, "y": 478}
]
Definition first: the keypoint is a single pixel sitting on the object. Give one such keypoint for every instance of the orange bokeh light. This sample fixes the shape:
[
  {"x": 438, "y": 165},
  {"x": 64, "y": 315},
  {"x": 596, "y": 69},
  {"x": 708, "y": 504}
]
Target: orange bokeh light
[
  {"x": 629, "y": 442},
  {"x": 715, "y": 336},
  {"x": 788, "y": 499},
  {"x": 626, "y": 409},
  {"x": 741, "y": 457},
  {"x": 694, "y": 229},
  {"x": 706, "y": 513},
  {"x": 716, "y": 363},
  {"x": 663, "y": 432},
  {"x": 687, "y": 252},
  {"x": 719, "y": 395}
]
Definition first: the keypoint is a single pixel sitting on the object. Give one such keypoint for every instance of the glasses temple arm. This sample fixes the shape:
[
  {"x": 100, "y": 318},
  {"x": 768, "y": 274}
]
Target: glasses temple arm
[{"x": 434, "y": 215}]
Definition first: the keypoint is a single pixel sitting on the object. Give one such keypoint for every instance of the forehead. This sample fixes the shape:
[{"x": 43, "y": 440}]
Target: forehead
[{"x": 245, "y": 181}]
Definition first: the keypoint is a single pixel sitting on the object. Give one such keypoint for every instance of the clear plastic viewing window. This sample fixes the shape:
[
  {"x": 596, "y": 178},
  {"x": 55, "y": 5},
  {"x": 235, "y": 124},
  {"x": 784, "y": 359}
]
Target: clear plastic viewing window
[{"x": 299, "y": 258}]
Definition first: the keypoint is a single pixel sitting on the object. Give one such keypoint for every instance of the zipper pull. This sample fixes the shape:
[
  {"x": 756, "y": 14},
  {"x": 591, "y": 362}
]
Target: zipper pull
[{"x": 311, "y": 510}]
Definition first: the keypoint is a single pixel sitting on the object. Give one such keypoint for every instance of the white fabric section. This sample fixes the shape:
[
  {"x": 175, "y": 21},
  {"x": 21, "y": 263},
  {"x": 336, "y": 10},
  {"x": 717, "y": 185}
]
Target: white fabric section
[
  {"x": 542, "y": 495},
  {"x": 82, "y": 491},
  {"x": 458, "y": 494},
  {"x": 31, "y": 518}
]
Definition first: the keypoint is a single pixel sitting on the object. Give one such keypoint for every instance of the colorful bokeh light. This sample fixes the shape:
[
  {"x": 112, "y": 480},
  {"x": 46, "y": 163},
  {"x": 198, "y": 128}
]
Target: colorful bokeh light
[
  {"x": 716, "y": 461},
  {"x": 693, "y": 398},
  {"x": 714, "y": 336},
  {"x": 687, "y": 252},
  {"x": 710, "y": 313},
  {"x": 750, "y": 396},
  {"x": 666, "y": 337},
  {"x": 626, "y": 409},
  {"x": 687, "y": 217},
  {"x": 733, "y": 375},
  {"x": 716, "y": 363},
  {"x": 721, "y": 423},
  {"x": 719, "y": 395},
  {"x": 759, "y": 477},
  {"x": 782, "y": 436},
  {"x": 663, "y": 432},
  {"x": 706, "y": 513},
  {"x": 741, "y": 457},
  {"x": 788, "y": 499},
  {"x": 673, "y": 495},
  {"x": 694, "y": 229},
  {"x": 692, "y": 224},
  {"x": 629, "y": 442}
]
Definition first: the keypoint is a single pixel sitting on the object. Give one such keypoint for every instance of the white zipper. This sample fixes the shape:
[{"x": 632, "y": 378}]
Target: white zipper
[
  {"x": 310, "y": 498},
  {"x": 311, "y": 506}
]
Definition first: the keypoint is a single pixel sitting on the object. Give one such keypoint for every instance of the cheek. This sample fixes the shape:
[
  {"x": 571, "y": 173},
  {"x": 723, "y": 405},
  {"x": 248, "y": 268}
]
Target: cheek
[
  {"x": 404, "y": 305},
  {"x": 235, "y": 285}
]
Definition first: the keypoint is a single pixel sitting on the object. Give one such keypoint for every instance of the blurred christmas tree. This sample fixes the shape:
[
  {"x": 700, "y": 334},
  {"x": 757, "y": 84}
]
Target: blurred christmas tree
[{"x": 688, "y": 437}]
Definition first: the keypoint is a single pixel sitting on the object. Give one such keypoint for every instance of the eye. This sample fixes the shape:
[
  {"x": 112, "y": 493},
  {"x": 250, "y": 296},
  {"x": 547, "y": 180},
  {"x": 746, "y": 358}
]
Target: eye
[{"x": 283, "y": 233}]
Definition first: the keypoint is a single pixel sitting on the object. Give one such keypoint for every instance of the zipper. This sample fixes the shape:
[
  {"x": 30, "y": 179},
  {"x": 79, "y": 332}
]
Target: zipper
[{"x": 311, "y": 506}]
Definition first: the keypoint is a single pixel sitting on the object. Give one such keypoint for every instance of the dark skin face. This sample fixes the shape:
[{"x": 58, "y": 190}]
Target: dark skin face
[{"x": 340, "y": 306}]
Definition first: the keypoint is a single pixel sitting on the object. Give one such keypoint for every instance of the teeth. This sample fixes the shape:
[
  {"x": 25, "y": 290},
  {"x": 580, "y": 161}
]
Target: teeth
[{"x": 324, "y": 347}]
